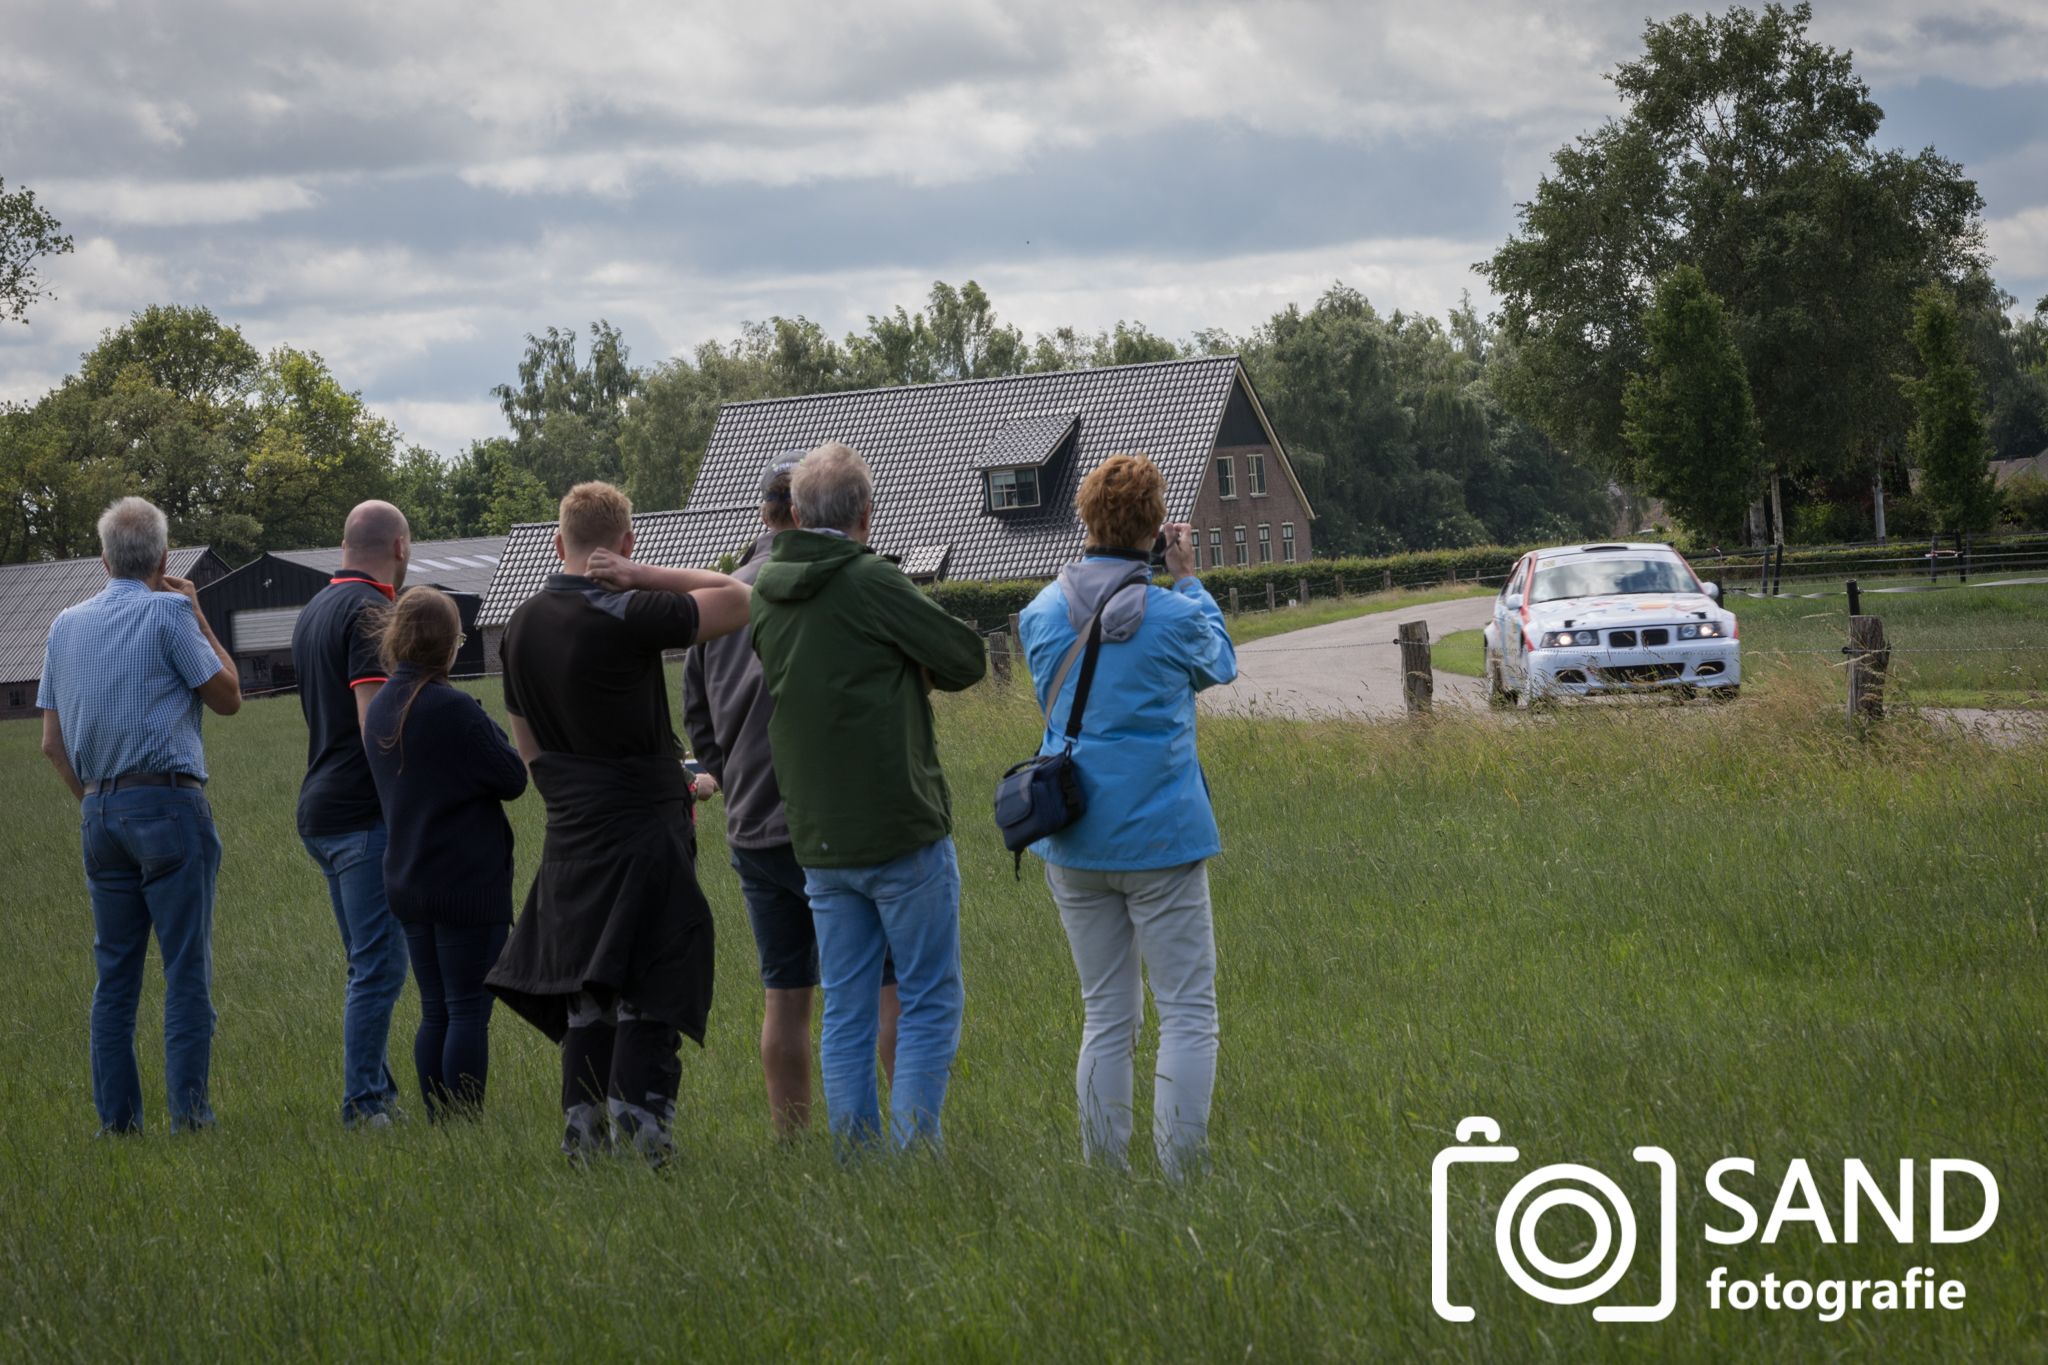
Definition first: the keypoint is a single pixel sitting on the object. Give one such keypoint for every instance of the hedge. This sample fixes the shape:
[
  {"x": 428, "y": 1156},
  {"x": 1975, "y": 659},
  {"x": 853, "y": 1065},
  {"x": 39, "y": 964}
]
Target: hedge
[{"x": 990, "y": 605}]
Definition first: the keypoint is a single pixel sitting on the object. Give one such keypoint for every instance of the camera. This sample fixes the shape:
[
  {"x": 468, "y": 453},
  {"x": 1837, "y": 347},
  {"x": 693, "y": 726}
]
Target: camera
[{"x": 1159, "y": 549}]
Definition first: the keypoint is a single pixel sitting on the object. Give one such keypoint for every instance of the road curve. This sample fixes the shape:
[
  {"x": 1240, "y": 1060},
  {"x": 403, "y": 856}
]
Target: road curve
[{"x": 1349, "y": 669}]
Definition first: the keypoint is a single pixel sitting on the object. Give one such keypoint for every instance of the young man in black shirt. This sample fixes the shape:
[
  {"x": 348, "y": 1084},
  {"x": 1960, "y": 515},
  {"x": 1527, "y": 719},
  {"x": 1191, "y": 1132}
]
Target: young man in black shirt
[
  {"x": 613, "y": 956},
  {"x": 334, "y": 652}
]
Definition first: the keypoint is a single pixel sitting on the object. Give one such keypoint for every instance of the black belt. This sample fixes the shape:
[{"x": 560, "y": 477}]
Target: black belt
[{"x": 114, "y": 784}]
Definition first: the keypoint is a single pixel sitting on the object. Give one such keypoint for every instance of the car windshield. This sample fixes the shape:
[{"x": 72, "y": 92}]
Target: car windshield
[{"x": 1611, "y": 577}]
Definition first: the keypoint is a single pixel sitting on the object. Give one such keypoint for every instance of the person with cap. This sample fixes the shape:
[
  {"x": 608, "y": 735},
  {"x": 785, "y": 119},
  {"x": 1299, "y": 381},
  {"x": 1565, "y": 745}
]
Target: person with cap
[{"x": 726, "y": 709}]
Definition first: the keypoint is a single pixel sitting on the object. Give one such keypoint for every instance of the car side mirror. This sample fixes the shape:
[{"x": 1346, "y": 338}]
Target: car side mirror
[
  {"x": 1514, "y": 601},
  {"x": 1712, "y": 590}
]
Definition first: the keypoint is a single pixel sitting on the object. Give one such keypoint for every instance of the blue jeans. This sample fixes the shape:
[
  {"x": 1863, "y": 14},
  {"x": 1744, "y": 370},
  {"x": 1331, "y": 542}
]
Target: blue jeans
[
  {"x": 452, "y": 1050},
  {"x": 370, "y": 935},
  {"x": 151, "y": 855},
  {"x": 908, "y": 909}
]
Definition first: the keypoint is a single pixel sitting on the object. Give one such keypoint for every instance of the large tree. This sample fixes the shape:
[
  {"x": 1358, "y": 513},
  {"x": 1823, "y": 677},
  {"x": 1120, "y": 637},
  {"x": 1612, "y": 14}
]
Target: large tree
[
  {"x": 1688, "y": 417},
  {"x": 1948, "y": 440},
  {"x": 28, "y": 233},
  {"x": 1749, "y": 150}
]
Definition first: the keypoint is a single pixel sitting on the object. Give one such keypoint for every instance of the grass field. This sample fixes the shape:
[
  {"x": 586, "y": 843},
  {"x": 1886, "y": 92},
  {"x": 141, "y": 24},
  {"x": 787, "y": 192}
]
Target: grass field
[
  {"x": 1952, "y": 647},
  {"x": 1732, "y": 931}
]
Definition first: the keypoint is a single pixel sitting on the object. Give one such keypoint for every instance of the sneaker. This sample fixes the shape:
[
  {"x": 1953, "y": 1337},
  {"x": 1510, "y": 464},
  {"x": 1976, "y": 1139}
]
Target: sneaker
[
  {"x": 374, "y": 1120},
  {"x": 587, "y": 1133}
]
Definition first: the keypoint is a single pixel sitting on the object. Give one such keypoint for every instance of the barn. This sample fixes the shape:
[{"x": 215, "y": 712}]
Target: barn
[
  {"x": 976, "y": 479},
  {"x": 254, "y": 608},
  {"x": 31, "y": 595}
]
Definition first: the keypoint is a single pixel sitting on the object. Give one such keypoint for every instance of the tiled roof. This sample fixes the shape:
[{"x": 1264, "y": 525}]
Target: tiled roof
[
  {"x": 926, "y": 561},
  {"x": 454, "y": 565},
  {"x": 927, "y": 445},
  {"x": 31, "y": 595},
  {"x": 1028, "y": 441}
]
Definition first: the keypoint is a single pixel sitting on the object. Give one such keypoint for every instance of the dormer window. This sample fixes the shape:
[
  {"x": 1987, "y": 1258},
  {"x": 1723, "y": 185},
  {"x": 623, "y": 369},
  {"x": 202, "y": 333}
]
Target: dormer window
[
  {"x": 1011, "y": 490},
  {"x": 1017, "y": 466}
]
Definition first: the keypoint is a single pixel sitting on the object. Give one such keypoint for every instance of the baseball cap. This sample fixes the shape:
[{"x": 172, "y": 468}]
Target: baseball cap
[{"x": 775, "y": 478}]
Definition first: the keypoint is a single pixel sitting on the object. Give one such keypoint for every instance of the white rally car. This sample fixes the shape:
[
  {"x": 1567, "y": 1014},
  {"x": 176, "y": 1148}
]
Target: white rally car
[{"x": 1584, "y": 620}]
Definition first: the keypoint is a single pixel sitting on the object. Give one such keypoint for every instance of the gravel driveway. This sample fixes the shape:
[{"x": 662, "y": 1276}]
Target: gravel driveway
[{"x": 1347, "y": 668}]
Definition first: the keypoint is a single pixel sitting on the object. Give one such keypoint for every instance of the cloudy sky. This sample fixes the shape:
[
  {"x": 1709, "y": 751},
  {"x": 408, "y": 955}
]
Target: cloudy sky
[{"x": 410, "y": 186}]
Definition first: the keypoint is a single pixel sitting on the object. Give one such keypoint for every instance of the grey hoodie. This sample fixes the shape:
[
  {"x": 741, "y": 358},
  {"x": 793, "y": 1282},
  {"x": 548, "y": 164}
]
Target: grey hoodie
[
  {"x": 1089, "y": 581},
  {"x": 726, "y": 707}
]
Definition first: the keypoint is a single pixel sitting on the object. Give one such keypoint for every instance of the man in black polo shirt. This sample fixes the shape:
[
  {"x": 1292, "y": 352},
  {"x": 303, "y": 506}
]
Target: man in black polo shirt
[
  {"x": 612, "y": 957},
  {"x": 334, "y": 652}
]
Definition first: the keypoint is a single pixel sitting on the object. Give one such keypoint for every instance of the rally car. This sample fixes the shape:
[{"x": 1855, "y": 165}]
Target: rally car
[{"x": 1583, "y": 620}]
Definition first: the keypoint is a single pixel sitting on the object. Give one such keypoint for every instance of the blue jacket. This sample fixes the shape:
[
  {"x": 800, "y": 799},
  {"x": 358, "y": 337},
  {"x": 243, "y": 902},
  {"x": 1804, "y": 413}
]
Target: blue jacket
[{"x": 1148, "y": 803}]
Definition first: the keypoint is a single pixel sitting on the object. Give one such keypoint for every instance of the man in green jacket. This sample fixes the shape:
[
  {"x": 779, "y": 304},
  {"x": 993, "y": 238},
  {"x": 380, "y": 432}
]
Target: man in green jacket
[{"x": 850, "y": 650}]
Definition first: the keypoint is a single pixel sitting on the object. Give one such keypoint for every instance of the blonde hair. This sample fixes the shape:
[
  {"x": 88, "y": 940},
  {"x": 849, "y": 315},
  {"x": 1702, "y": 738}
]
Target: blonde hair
[
  {"x": 595, "y": 516},
  {"x": 1122, "y": 502}
]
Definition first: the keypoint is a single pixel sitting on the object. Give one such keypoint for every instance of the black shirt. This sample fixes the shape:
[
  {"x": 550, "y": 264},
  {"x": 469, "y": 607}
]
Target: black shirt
[
  {"x": 334, "y": 651},
  {"x": 443, "y": 783},
  {"x": 583, "y": 667}
]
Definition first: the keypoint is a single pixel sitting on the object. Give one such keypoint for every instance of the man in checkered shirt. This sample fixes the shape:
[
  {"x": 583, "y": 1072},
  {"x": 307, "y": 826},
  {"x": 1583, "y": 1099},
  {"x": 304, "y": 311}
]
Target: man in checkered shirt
[{"x": 124, "y": 676}]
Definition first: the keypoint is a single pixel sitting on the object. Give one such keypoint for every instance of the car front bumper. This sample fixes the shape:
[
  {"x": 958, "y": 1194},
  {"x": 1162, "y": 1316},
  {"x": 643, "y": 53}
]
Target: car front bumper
[{"x": 1600, "y": 671}]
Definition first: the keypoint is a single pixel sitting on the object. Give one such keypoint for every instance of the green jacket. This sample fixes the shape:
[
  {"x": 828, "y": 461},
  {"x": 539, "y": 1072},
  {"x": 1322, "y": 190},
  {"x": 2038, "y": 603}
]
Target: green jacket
[{"x": 846, "y": 642}]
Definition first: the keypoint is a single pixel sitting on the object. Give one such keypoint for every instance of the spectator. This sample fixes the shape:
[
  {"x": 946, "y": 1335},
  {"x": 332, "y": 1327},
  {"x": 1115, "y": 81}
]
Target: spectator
[
  {"x": 849, "y": 650},
  {"x": 443, "y": 770},
  {"x": 124, "y": 676},
  {"x": 1130, "y": 876},
  {"x": 612, "y": 959},
  {"x": 334, "y": 652},
  {"x": 726, "y": 709}
]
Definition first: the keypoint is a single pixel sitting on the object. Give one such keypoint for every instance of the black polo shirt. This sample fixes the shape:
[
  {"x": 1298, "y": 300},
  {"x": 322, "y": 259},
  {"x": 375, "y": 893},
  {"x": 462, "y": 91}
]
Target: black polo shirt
[
  {"x": 334, "y": 651},
  {"x": 583, "y": 667}
]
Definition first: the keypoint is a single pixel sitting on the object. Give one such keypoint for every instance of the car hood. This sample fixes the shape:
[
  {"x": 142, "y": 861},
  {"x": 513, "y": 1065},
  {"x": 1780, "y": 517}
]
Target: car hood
[{"x": 1632, "y": 609}]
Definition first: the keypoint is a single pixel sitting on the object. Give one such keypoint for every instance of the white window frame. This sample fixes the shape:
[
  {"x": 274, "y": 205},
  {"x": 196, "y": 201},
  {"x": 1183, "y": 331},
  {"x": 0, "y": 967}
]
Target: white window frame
[
  {"x": 1287, "y": 542},
  {"x": 1215, "y": 547},
  {"x": 1265, "y": 542},
  {"x": 1016, "y": 504},
  {"x": 1226, "y": 478},
  {"x": 1255, "y": 474},
  {"x": 1237, "y": 538}
]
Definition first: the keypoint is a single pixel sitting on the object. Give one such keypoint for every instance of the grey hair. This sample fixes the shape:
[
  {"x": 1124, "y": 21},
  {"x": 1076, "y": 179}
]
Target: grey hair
[
  {"x": 134, "y": 534},
  {"x": 832, "y": 488}
]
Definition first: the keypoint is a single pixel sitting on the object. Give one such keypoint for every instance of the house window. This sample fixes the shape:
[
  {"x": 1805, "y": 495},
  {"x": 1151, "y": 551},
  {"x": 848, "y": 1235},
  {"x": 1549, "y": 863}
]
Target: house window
[
  {"x": 1215, "y": 547},
  {"x": 16, "y": 698},
  {"x": 1255, "y": 474},
  {"x": 1287, "y": 541},
  {"x": 1237, "y": 540},
  {"x": 1265, "y": 543},
  {"x": 1009, "y": 489},
  {"x": 1226, "y": 477}
]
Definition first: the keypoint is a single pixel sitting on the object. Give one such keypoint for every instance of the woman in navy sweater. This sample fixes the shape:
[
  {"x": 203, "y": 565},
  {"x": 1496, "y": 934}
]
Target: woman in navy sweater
[{"x": 443, "y": 770}]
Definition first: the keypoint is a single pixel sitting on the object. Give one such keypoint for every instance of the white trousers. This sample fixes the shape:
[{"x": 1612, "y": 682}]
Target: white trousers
[{"x": 1115, "y": 921}]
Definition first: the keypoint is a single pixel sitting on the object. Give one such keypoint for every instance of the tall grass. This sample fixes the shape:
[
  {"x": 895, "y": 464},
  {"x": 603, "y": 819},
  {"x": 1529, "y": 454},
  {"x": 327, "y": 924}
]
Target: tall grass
[{"x": 1737, "y": 932}]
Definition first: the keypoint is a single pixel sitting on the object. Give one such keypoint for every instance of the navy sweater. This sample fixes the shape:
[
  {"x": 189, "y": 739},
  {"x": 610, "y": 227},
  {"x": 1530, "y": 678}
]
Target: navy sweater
[{"x": 448, "y": 858}]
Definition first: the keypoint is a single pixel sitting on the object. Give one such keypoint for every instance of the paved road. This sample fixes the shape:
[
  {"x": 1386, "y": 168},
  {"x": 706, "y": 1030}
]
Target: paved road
[{"x": 1348, "y": 668}]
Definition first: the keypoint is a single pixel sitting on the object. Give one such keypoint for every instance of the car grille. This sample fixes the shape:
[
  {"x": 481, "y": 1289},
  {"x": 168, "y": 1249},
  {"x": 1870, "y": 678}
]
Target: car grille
[
  {"x": 1634, "y": 674},
  {"x": 1657, "y": 636},
  {"x": 1622, "y": 639}
]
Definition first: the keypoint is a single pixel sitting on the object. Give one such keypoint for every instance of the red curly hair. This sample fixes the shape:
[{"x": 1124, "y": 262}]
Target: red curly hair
[{"x": 1122, "y": 502}]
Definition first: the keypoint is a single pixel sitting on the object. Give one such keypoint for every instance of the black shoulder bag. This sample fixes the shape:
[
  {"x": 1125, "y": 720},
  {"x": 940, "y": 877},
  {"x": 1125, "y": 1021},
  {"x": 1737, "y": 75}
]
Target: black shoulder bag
[{"x": 1042, "y": 795}]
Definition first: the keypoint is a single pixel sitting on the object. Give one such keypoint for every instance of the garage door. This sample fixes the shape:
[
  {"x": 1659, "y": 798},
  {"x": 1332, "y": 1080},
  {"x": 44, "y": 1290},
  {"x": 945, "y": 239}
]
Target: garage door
[{"x": 270, "y": 628}]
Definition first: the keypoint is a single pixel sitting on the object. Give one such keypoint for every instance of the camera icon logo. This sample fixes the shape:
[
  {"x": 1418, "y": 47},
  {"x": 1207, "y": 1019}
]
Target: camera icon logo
[{"x": 1579, "y": 1187}]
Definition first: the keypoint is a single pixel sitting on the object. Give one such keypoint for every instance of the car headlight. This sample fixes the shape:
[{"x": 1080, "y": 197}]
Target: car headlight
[
  {"x": 1566, "y": 639},
  {"x": 1705, "y": 630}
]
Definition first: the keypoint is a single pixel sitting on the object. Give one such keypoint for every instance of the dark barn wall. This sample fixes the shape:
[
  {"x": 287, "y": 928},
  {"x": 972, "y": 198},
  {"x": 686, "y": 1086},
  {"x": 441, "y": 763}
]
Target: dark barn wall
[{"x": 264, "y": 583}]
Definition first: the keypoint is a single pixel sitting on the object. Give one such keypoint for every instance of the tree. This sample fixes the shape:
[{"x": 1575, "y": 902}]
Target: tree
[
  {"x": 27, "y": 233},
  {"x": 566, "y": 413},
  {"x": 1688, "y": 415},
  {"x": 1748, "y": 150},
  {"x": 1948, "y": 438}
]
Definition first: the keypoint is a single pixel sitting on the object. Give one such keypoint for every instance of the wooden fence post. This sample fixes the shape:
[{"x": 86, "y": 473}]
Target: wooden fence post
[
  {"x": 999, "y": 658},
  {"x": 1303, "y": 599},
  {"x": 1016, "y": 635},
  {"x": 1418, "y": 683},
  {"x": 1870, "y": 656},
  {"x": 1855, "y": 598},
  {"x": 1386, "y": 580},
  {"x": 1233, "y": 602},
  {"x": 1269, "y": 594},
  {"x": 1340, "y": 585}
]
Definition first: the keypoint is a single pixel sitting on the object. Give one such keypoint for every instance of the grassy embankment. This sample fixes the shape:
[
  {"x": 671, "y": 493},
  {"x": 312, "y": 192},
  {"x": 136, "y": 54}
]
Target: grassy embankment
[{"x": 1753, "y": 937}]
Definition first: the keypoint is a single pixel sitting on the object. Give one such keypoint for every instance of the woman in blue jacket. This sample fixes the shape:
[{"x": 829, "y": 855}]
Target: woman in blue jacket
[
  {"x": 1130, "y": 877},
  {"x": 443, "y": 771}
]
